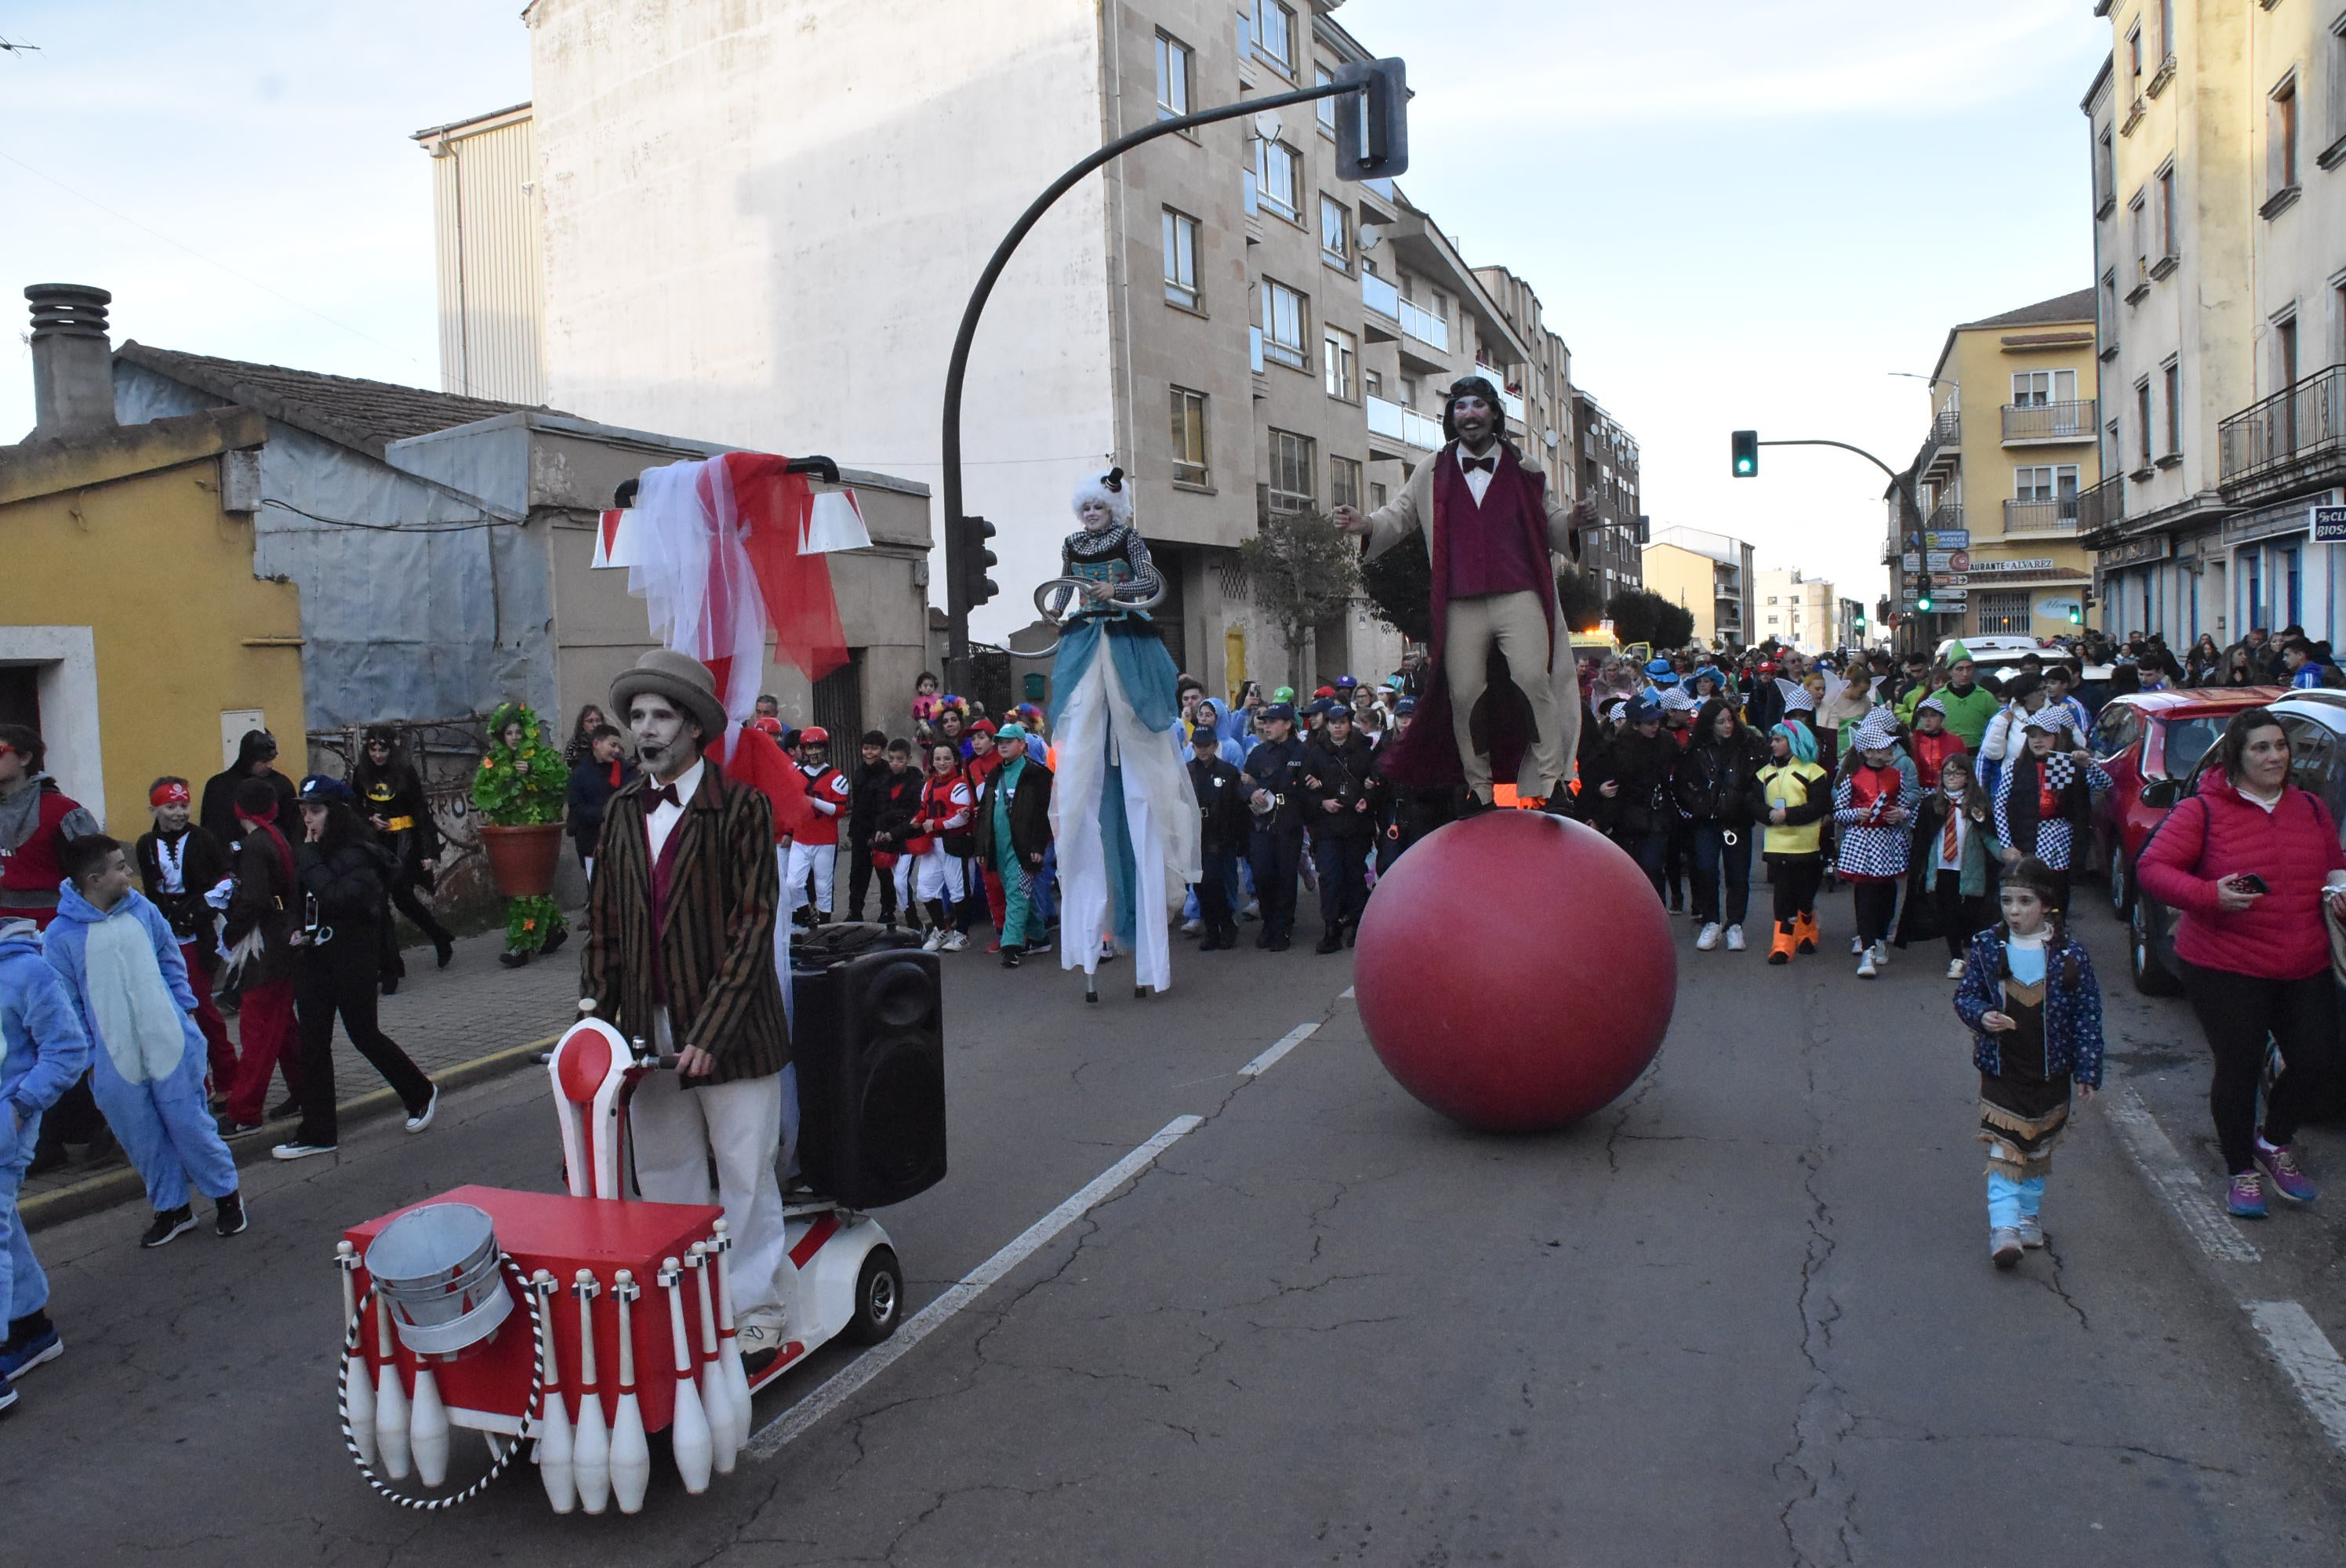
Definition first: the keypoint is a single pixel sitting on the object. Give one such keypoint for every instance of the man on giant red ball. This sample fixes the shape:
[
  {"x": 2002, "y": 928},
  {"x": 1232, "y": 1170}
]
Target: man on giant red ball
[{"x": 1489, "y": 526}]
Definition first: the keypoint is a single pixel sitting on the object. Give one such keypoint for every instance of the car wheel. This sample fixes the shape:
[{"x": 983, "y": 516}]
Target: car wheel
[
  {"x": 2150, "y": 977},
  {"x": 879, "y": 1299}
]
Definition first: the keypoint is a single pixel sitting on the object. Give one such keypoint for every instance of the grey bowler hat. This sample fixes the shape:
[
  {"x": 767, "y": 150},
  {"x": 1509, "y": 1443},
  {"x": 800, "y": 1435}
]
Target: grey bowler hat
[{"x": 679, "y": 677}]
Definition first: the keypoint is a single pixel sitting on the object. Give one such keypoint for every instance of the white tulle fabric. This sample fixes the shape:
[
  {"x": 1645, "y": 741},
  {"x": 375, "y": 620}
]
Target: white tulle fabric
[{"x": 688, "y": 564}]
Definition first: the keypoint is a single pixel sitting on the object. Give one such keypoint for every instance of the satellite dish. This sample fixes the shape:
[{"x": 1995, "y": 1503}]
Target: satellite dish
[
  {"x": 1266, "y": 125},
  {"x": 1550, "y": 439}
]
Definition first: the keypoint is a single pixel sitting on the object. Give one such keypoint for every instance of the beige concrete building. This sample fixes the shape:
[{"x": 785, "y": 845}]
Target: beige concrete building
[
  {"x": 745, "y": 233},
  {"x": 1710, "y": 576},
  {"x": 1799, "y": 612},
  {"x": 2216, "y": 132},
  {"x": 2010, "y": 451}
]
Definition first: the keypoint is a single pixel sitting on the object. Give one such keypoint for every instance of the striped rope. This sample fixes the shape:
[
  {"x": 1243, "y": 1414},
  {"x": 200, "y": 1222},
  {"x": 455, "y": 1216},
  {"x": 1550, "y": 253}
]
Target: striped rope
[{"x": 351, "y": 1345}]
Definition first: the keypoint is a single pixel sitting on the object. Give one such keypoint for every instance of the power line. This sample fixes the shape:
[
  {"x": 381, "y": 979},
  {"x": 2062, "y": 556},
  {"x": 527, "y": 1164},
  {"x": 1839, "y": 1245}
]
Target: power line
[
  {"x": 479, "y": 523},
  {"x": 240, "y": 277}
]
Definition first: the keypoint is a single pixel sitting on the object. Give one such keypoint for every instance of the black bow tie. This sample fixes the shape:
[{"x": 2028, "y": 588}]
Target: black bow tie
[
  {"x": 1487, "y": 464},
  {"x": 662, "y": 795}
]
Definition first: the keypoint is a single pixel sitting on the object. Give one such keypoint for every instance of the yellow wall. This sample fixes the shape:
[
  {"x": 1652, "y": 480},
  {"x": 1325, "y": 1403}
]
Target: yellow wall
[
  {"x": 1983, "y": 363},
  {"x": 163, "y": 578},
  {"x": 1686, "y": 579}
]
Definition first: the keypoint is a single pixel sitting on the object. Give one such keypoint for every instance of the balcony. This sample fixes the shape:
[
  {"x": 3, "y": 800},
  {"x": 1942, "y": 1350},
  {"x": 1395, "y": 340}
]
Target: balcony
[
  {"x": 1404, "y": 424},
  {"x": 1381, "y": 296},
  {"x": 2046, "y": 424},
  {"x": 2289, "y": 438},
  {"x": 2102, "y": 505},
  {"x": 1507, "y": 399},
  {"x": 1947, "y": 427},
  {"x": 1945, "y": 516},
  {"x": 2039, "y": 519},
  {"x": 1424, "y": 325}
]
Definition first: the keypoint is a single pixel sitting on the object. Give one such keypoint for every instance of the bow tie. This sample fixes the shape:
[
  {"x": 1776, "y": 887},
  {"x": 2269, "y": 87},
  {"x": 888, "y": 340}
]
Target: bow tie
[
  {"x": 662, "y": 795},
  {"x": 1487, "y": 464}
]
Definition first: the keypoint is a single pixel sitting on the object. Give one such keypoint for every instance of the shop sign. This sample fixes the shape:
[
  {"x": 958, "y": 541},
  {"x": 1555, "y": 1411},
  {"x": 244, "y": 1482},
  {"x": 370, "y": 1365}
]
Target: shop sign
[
  {"x": 1947, "y": 539},
  {"x": 2330, "y": 525},
  {"x": 2032, "y": 564},
  {"x": 2154, "y": 548}
]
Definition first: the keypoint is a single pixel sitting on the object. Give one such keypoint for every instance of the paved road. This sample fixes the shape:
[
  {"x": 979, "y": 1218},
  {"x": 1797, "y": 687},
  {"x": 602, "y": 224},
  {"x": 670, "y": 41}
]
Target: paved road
[{"x": 1745, "y": 1317}]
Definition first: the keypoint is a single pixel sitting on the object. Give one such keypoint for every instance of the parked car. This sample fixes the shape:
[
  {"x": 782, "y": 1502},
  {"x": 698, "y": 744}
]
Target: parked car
[
  {"x": 2316, "y": 722},
  {"x": 1995, "y": 653},
  {"x": 2142, "y": 738}
]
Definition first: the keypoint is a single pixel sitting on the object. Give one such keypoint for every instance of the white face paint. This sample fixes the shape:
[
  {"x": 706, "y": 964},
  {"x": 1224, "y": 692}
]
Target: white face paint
[
  {"x": 1095, "y": 516},
  {"x": 665, "y": 743}
]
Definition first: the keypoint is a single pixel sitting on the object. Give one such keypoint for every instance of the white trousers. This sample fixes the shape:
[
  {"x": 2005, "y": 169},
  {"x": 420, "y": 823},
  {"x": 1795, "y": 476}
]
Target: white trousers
[
  {"x": 677, "y": 1132},
  {"x": 822, "y": 859},
  {"x": 940, "y": 875}
]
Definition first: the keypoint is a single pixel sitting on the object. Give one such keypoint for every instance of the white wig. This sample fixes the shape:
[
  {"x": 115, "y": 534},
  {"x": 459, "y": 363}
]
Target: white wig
[{"x": 1111, "y": 490}]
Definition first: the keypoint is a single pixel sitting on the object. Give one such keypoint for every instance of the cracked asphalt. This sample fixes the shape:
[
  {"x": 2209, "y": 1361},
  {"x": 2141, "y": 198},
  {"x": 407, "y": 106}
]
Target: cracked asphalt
[{"x": 1744, "y": 1316}]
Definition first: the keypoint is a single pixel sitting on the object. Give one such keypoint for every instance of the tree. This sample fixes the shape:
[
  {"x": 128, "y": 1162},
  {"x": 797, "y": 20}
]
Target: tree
[
  {"x": 1399, "y": 583},
  {"x": 1639, "y": 615},
  {"x": 1303, "y": 570},
  {"x": 1581, "y": 597}
]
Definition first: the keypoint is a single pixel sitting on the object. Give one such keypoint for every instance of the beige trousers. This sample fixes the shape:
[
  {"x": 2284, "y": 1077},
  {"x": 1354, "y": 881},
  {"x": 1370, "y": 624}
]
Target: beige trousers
[{"x": 1517, "y": 625}]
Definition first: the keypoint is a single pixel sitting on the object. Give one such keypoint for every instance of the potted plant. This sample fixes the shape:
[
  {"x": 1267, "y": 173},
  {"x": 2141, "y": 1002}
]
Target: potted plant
[{"x": 519, "y": 790}]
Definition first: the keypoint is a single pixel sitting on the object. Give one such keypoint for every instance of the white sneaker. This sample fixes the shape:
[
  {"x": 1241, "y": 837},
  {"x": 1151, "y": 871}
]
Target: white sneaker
[
  {"x": 1954, "y": 969},
  {"x": 1707, "y": 937},
  {"x": 1857, "y": 947},
  {"x": 2031, "y": 1233},
  {"x": 1192, "y": 927},
  {"x": 934, "y": 941},
  {"x": 422, "y": 1118},
  {"x": 1735, "y": 939},
  {"x": 954, "y": 943},
  {"x": 1865, "y": 966},
  {"x": 1882, "y": 954},
  {"x": 2004, "y": 1247}
]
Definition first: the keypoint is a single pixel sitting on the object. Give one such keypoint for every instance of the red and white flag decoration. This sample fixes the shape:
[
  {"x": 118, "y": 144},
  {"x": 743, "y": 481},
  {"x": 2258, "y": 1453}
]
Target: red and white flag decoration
[{"x": 725, "y": 553}]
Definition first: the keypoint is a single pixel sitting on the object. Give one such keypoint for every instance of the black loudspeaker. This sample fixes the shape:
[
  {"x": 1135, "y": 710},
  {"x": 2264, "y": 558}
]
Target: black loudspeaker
[{"x": 870, "y": 1054}]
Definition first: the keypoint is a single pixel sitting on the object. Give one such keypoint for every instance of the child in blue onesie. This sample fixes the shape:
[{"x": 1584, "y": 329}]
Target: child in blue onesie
[
  {"x": 42, "y": 1053},
  {"x": 122, "y": 965}
]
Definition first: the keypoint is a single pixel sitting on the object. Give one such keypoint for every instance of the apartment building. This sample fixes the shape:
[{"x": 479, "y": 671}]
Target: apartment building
[
  {"x": 1851, "y": 626},
  {"x": 1607, "y": 458},
  {"x": 2012, "y": 447},
  {"x": 2214, "y": 131},
  {"x": 1797, "y": 611},
  {"x": 739, "y": 228},
  {"x": 1710, "y": 576}
]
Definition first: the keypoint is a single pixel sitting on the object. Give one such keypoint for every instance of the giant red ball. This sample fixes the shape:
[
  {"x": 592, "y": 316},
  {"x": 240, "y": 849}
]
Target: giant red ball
[{"x": 1514, "y": 971}]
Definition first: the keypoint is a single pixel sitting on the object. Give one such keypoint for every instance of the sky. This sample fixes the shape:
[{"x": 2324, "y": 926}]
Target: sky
[{"x": 1737, "y": 216}]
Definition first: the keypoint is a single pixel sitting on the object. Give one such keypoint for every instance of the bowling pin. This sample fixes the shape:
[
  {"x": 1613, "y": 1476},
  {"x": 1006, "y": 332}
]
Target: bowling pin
[
  {"x": 729, "y": 1345},
  {"x": 390, "y": 1399},
  {"x": 554, "y": 1446},
  {"x": 590, "y": 1444},
  {"x": 688, "y": 1434},
  {"x": 632, "y": 1457},
  {"x": 716, "y": 1393},
  {"x": 358, "y": 1389},
  {"x": 427, "y": 1427}
]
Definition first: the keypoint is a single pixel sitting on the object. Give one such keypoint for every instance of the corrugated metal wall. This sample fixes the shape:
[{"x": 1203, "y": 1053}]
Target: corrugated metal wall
[{"x": 491, "y": 275}]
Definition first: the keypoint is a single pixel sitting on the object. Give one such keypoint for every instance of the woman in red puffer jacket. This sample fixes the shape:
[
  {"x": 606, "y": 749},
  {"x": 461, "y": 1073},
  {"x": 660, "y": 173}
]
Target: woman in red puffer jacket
[{"x": 2246, "y": 862}]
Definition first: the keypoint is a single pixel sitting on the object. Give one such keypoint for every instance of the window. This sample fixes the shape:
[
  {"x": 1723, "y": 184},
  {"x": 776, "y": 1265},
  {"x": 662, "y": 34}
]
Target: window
[
  {"x": 2105, "y": 179},
  {"x": 2337, "y": 75},
  {"x": 1343, "y": 481},
  {"x": 1341, "y": 354},
  {"x": 1409, "y": 391},
  {"x": 1274, "y": 34},
  {"x": 2142, "y": 418},
  {"x": 1322, "y": 76},
  {"x": 1283, "y": 313},
  {"x": 1173, "y": 59},
  {"x": 2138, "y": 222},
  {"x": 2281, "y": 137},
  {"x": 2165, "y": 30},
  {"x": 2169, "y": 244},
  {"x": 2285, "y": 355},
  {"x": 2109, "y": 324},
  {"x": 2035, "y": 389},
  {"x": 2045, "y": 481},
  {"x": 1372, "y": 383},
  {"x": 1377, "y": 495},
  {"x": 1335, "y": 232},
  {"x": 2111, "y": 447},
  {"x": 1291, "y": 472},
  {"x": 2172, "y": 375},
  {"x": 1181, "y": 260},
  {"x": 1190, "y": 437},
  {"x": 2133, "y": 58},
  {"x": 1276, "y": 169}
]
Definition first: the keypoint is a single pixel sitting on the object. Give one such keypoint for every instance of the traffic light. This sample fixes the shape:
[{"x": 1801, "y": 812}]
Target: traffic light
[
  {"x": 1372, "y": 123},
  {"x": 975, "y": 561},
  {"x": 2077, "y": 615},
  {"x": 1857, "y": 622},
  {"x": 1923, "y": 600},
  {"x": 1747, "y": 453}
]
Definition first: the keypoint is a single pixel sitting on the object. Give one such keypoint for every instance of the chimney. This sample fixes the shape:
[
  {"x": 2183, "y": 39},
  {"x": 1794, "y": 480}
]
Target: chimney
[{"x": 73, "y": 363}]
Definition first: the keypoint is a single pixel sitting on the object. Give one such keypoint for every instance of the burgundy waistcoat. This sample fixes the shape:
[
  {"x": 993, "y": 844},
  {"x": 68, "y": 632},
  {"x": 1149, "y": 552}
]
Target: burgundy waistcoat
[{"x": 1490, "y": 548}]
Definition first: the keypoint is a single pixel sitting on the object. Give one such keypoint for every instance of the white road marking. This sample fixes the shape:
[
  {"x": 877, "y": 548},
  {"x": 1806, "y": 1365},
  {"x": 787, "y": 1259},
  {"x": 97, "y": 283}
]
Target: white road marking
[
  {"x": 769, "y": 1439},
  {"x": 1345, "y": 995},
  {"x": 2146, "y": 1144},
  {"x": 1287, "y": 1041},
  {"x": 2311, "y": 1363}
]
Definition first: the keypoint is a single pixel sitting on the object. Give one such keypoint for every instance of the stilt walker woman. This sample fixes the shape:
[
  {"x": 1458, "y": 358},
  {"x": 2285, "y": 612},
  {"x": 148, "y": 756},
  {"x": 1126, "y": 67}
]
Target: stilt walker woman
[{"x": 1122, "y": 813}]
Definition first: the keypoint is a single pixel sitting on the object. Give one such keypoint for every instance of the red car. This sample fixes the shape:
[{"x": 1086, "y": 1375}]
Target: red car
[{"x": 2145, "y": 739}]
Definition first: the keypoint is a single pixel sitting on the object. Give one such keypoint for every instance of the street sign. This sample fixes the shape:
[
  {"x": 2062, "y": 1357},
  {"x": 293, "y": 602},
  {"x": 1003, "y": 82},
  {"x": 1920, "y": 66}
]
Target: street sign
[
  {"x": 1911, "y": 562},
  {"x": 1958, "y": 560},
  {"x": 2330, "y": 525},
  {"x": 1947, "y": 539},
  {"x": 1944, "y": 560}
]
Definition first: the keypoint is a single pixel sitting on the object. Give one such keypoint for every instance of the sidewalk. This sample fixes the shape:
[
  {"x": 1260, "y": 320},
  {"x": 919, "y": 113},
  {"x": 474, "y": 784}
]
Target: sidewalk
[{"x": 473, "y": 1020}]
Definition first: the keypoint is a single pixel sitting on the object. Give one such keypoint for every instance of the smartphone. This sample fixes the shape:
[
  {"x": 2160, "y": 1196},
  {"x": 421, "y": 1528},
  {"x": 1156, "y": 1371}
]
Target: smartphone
[{"x": 2250, "y": 882}]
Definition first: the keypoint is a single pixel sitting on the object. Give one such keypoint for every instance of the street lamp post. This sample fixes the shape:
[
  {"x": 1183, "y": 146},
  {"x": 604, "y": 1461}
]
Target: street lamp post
[
  {"x": 1910, "y": 511},
  {"x": 1377, "y": 147}
]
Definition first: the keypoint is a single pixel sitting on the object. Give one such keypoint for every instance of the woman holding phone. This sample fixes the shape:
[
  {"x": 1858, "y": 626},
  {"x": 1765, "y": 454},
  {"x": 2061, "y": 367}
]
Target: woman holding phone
[{"x": 2248, "y": 863}]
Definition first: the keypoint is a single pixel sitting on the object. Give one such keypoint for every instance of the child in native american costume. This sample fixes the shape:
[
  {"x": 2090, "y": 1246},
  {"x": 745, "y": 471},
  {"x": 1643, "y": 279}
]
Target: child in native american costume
[{"x": 2029, "y": 997}]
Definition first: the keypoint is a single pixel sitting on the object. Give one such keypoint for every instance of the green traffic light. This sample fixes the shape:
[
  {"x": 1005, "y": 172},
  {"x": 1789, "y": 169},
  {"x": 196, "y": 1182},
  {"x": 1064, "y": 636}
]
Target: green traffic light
[
  {"x": 1746, "y": 452},
  {"x": 1924, "y": 603}
]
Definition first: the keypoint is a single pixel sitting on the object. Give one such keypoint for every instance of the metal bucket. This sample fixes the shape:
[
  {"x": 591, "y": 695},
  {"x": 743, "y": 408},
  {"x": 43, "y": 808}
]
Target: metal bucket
[{"x": 437, "y": 1268}]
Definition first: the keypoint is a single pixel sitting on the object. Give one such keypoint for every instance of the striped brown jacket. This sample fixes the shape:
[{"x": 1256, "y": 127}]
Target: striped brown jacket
[{"x": 716, "y": 945}]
